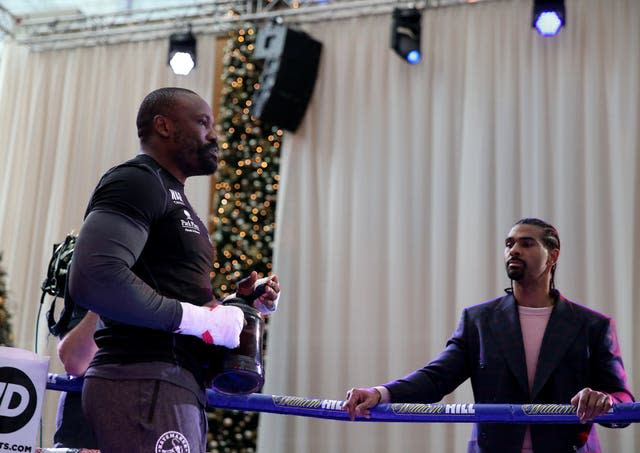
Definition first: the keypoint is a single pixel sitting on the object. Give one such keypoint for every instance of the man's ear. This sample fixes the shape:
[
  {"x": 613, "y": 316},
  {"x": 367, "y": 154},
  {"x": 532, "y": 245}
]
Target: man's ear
[
  {"x": 553, "y": 256},
  {"x": 163, "y": 126}
]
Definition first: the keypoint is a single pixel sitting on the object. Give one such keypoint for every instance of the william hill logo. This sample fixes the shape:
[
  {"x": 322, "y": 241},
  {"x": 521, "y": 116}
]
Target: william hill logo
[
  {"x": 434, "y": 409},
  {"x": 297, "y": 401},
  {"x": 548, "y": 409},
  {"x": 18, "y": 399}
]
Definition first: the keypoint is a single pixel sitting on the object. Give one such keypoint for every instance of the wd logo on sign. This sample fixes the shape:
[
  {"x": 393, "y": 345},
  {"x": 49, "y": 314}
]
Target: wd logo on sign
[
  {"x": 23, "y": 378},
  {"x": 17, "y": 399}
]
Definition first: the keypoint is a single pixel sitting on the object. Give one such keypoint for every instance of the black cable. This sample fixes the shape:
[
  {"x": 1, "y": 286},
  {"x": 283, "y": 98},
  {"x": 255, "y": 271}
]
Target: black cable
[{"x": 35, "y": 350}]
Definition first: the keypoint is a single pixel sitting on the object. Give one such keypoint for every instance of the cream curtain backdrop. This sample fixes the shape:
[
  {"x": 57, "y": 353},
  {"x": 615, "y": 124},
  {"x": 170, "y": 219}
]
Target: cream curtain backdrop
[
  {"x": 403, "y": 181},
  {"x": 66, "y": 117}
]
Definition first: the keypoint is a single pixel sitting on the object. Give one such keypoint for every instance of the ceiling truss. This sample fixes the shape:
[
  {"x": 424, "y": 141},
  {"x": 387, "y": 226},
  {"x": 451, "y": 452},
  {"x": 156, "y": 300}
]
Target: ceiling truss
[{"x": 202, "y": 17}]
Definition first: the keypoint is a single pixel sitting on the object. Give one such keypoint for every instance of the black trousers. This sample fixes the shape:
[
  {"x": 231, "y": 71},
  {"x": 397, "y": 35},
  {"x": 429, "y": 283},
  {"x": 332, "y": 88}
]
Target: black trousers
[{"x": 144, "y": 415}]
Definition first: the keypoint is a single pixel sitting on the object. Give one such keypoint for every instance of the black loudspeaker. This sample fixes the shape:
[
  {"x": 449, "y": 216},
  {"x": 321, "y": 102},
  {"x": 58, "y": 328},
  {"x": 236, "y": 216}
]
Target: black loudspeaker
[{"x": 288, "y": 75}]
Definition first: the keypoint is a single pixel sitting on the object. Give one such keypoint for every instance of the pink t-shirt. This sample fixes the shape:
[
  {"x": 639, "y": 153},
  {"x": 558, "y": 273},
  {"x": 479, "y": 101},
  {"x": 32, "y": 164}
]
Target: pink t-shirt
[{"x": 533, "y": 322}]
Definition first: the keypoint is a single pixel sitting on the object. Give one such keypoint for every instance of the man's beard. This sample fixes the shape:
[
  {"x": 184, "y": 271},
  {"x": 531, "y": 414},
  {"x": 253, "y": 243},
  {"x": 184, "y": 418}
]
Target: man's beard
[
  {"x": 197, "y": 160},
  {"x": 208, "y": 164},
  {"x": 515, "y": 273}
]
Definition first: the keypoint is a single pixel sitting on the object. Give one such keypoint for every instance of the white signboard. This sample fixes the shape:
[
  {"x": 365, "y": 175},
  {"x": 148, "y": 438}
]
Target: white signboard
[{"x": 23, "y": 380}]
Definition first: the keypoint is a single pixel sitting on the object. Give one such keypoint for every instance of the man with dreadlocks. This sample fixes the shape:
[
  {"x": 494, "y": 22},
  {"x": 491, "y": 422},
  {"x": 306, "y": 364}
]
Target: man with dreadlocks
[{"x": 530, "y": 346}]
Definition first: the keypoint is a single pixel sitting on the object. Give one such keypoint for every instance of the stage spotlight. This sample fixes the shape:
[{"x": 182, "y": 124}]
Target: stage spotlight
[
  {"x": 182, "y": 53},
  {"x": 405, "y": 34},
  {"x": 548, "y": 16}
]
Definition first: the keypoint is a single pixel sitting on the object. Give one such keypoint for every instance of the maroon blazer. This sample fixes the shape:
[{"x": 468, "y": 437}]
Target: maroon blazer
[{"x": 579, "y": 349}]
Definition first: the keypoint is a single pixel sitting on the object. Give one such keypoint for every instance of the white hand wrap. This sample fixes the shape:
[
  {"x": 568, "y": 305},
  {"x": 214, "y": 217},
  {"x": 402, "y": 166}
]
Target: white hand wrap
[
  {"x": 220, "y": 325},
  {"x": 259, "y": 302}
]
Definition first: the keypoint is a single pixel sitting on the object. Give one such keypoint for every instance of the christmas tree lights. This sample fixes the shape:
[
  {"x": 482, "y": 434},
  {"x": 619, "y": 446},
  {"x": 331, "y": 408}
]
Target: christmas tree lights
[{"x": 243, "y": 223}]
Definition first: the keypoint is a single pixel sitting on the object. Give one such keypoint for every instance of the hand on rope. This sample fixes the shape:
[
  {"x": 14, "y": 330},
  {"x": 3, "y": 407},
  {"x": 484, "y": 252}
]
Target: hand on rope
[
  {"x": 591, "y": 404},
  {"x": 360, "y": 400}
]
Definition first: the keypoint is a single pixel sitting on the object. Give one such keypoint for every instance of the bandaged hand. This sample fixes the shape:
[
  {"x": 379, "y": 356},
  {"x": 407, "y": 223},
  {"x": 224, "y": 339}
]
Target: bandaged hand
[
  {"x": 268, "y": 294},
  {"x": 262, "y": 293},
  {"x": 220, "y": 325}
]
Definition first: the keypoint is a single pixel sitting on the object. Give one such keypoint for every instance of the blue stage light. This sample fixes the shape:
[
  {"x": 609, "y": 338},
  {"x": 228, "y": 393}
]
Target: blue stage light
[
  {"x": 405, "y": 33},
  {"x": 414, "y": 57},
  {"x": 548, "y": 16}
]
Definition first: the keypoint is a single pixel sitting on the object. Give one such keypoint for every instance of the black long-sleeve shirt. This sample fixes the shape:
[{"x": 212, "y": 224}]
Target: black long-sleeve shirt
[{"x": 141, "y": 251}]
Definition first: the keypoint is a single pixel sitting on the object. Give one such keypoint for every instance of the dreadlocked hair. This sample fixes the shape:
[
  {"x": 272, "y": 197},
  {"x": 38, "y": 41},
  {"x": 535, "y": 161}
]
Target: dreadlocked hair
[{"x": 550, "y": 240}]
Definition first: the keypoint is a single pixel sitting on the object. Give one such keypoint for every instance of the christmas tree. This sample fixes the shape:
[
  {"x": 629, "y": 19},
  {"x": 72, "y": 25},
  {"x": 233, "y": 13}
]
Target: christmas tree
[
  {"x": 6, "y": 337},
  {"x": 244, "y": 222}
]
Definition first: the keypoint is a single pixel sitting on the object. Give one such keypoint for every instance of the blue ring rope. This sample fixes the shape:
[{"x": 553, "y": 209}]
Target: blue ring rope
[{"x": 417, "y": 413}]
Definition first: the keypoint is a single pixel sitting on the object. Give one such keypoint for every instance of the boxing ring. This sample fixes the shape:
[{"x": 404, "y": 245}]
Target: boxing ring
[{"x": 417, "y": 413}]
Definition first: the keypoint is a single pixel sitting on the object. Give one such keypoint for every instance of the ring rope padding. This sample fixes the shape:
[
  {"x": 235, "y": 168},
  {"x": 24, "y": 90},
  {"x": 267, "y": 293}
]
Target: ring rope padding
[{"x": 622, "y": 413}]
